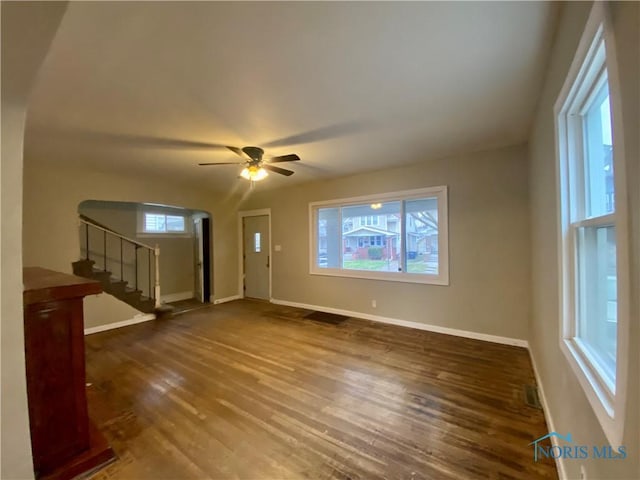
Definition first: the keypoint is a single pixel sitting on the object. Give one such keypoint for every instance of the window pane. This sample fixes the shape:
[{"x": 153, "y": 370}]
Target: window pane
[
  {"x": 257, "y": 247},
  {"x": 373, "y": 241},
  {"x": 175, "y": 223},
  {"x": 597, "y": 295},
  {"x": 421, "y": 217},
  {"x": 328, "y": 238},
  {"x": 599, "y": 189},
  {"x": 154, "y": 223}
]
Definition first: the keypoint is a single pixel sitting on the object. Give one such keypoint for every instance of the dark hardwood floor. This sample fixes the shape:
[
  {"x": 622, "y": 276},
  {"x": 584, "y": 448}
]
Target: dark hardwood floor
[{"x": 250, "y": 390}]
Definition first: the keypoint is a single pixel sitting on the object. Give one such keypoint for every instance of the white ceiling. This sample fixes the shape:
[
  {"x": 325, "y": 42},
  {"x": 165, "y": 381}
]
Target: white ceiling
[{"x": 146, "y": 86}]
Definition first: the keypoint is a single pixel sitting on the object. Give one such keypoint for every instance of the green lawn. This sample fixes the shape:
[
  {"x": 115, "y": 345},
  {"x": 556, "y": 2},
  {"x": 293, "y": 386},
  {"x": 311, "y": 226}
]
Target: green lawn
[
  {"x": 365, "y": 264},
  {"x": 413, "y": 266}
]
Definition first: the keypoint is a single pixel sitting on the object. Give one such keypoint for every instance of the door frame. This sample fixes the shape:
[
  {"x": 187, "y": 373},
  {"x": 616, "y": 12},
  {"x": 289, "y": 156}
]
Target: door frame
[
  {"x": 205, "y": 243},
  {"x": 241, "y": 216},
  {"x": 198, "y": 254}
]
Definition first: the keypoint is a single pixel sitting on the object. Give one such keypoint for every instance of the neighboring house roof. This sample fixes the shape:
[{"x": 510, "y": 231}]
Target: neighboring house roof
[{"x": 368, "y": 231}]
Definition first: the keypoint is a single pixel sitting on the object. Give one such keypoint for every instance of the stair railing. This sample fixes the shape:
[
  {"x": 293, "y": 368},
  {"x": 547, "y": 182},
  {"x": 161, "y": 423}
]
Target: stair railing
[{"x": 151, "y": 251}]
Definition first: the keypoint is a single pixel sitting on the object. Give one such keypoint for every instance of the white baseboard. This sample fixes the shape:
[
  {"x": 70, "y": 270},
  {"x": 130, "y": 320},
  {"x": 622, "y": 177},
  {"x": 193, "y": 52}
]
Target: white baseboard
[
  {"x": 409, "y": 324},
  {"x": 176, "y": 297},
  {"x": 562, "y": 473},
  {"x": 142, "y": 317},
  {"x": 218, "y": 301}
]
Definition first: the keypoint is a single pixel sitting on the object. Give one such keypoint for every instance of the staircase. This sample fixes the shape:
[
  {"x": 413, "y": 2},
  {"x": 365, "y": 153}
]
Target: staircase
[
  {"x": 114, "y": 286},
  {"x": 106, "y": 251}
]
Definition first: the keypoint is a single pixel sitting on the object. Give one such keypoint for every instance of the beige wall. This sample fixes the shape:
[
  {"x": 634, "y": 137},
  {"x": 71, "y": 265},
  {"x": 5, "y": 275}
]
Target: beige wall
[
  {"x": 567, "y": 403},
  {"x": 176, "y": 253},
  {"x": 489, "y": 238},
  {"x": 488, "y": 245},
  {"x": 52, "y": 194},
  {"x": 27, "y": 31}
]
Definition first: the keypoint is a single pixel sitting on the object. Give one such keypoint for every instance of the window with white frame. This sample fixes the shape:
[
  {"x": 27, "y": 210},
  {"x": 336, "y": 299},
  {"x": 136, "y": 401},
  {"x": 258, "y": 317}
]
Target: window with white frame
[
  {"x": 371, "y": 220},
  {"x": 399, "y": 236},
  {"x": 162, "y": 223},
  {"x": 589, "y": 152}
]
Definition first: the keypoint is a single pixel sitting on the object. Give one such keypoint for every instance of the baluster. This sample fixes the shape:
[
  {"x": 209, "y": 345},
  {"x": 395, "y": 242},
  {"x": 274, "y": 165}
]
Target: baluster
[
  {"x": 149, "y": 262},
  {"x": 136, "y": 266},
  {"x": 105, "y": 251},
  {"x": 121, "y": 262}
]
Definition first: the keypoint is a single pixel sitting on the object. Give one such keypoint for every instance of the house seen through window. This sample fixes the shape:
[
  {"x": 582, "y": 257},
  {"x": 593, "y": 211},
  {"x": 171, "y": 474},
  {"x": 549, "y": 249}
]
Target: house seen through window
[{"x": 399, "y": 236}]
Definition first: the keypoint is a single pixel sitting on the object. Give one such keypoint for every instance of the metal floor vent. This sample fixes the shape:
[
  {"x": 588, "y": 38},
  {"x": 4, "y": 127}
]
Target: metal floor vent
[{"x": 531, "y": 397}]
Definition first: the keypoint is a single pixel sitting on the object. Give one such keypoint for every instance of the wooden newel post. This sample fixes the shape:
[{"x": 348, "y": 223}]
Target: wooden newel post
[{"x": 156, "y": 255}]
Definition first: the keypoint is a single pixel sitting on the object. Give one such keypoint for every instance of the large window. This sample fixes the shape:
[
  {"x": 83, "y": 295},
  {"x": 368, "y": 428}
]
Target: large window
[
  {"x": 593, "y": 251},
  {"x": 399, "y": 236}
]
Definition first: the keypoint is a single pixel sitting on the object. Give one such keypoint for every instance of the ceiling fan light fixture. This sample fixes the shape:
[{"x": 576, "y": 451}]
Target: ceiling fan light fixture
[
  {"x": 254, "y": 170},
  {"x": 254, "y": 173}
]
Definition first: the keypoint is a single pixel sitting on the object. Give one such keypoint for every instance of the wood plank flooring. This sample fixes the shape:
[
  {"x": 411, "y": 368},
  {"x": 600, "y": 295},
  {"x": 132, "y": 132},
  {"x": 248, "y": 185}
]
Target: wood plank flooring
[{"x": 250, "y": 390}]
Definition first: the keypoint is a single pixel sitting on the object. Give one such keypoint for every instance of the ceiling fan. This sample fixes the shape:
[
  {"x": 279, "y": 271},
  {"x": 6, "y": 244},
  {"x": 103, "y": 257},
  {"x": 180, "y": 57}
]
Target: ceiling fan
[{"x": 255, "y": 168}]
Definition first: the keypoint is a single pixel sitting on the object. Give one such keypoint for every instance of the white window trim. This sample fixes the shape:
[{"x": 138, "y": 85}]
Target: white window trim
[
  {"x": 608, "y": 406},
  {"x": 141, "y": 233},
  {"x": 442, "y": 278}
]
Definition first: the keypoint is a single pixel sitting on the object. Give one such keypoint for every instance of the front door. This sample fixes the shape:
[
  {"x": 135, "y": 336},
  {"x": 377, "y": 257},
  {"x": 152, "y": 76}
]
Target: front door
[{"x": 256, "y": 256}]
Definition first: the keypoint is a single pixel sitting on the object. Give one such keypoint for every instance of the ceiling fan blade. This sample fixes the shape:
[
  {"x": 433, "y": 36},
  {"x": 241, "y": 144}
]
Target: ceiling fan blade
[
  {"x": 158, "y": 142},
  {"x": 123, "y": 140},
  {"x": 220, "y": 163},
  {"x": 281, "y": 171},
  {"x": 285, "y": 158},
  {"x": 239, "y": 152},
  {"x": 319, "y": 134}
]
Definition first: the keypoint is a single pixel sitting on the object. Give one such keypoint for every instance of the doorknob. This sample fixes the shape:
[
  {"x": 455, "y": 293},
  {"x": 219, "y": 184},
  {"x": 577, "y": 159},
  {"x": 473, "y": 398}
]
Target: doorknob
[{"x": 268, "y": 258}]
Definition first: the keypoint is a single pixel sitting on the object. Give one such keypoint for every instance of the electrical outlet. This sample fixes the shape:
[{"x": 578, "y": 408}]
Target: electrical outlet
[{"x": 374, "y": 304}]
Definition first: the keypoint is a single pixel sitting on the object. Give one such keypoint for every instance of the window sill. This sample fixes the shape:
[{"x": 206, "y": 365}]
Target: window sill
[
  {"x": 403, "y": 277},
  {"x": 609, "y": 414}
]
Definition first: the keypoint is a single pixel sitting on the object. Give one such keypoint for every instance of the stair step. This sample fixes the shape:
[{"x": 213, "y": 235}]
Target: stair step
[
  {"x": 101, "y": 273},
  {"x": 103, "y": 277},
  {"x": 84, "y": 261},
  {"x": 83, "y": 268},
  {"x": 132, "y": 293},
  {"x": 113, "y": 286},
  {"x": 145, "y": 304},
  {"x": 119, "y": 286}
]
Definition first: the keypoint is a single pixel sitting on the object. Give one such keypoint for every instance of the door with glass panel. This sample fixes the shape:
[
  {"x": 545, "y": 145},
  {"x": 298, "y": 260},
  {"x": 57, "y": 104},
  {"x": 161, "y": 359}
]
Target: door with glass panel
[{"x": 256, "y": 256}]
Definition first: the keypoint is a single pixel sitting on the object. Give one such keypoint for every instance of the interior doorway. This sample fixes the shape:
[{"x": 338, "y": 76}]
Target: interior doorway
[
  {"x": 256, "y": 254},
  {"x": 120, "y": 238},
  {"x": 202, "y": 252}
]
